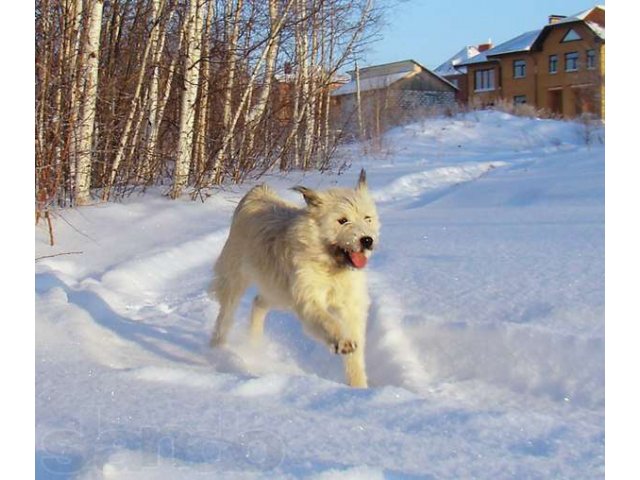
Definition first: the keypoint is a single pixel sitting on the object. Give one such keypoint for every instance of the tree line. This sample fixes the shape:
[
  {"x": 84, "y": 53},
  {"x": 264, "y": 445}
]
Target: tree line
[{"x": 187, "y": 93}]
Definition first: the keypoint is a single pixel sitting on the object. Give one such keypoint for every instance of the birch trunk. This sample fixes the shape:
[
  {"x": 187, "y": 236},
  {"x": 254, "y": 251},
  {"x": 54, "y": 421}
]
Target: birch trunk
[
  {"x": 157, "y": 41},
  {"x": 188, "y": 103},
  {"x": 86, "y": 127},
  {"x": 312, "y": 96},
  {"x": 206, "y": 73},
  {"x": 302, "y": 49},
  {"x": 257, "y": 112},
  {"x": 327, "y": 50},
  {"x": 76, "y": 89}
]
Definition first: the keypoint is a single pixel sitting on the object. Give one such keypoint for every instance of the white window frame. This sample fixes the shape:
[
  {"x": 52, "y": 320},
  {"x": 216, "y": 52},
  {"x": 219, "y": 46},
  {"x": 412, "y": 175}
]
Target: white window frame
[{"x": 487, "y": 80}]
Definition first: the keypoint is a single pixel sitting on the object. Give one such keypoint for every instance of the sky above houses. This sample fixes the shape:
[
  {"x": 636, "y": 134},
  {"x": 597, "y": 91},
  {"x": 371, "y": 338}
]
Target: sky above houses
[{"x": 431, "y": 32}]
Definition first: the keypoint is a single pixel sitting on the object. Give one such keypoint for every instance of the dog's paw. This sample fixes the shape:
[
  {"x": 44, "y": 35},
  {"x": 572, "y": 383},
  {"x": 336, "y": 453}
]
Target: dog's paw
[{"x": 345, "y": 347}]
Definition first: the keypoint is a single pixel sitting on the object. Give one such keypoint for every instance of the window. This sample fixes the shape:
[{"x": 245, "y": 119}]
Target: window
[
  {"x": 519, "y": 68},
  {"x": 591, "y": 59},
  {"x": 484, "y": 80},
  {"x": 519, "y": 99},
  {"x": 553, "y": 63},
  {"x": 571, "y": 61},
  {"x": 571, "y": 36}
]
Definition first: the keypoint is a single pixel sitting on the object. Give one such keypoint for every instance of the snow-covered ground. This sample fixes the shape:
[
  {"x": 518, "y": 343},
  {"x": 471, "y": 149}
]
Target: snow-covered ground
[{"x": 485, "y": 343}]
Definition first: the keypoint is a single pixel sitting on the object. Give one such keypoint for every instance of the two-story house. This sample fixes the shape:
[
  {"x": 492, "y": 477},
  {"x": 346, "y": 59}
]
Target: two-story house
[
  {"x": 558, "y": 68},
  {"x": 569, "y": 54}
]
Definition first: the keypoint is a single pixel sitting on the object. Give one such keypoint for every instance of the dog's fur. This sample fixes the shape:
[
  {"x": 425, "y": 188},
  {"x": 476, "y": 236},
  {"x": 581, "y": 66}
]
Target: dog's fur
[{"x": 307, "y": 260}]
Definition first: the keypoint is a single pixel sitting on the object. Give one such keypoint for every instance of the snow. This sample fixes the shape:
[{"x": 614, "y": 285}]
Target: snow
[
  {"x": 450, "y": 67},
  {"x": 485, "y": 345},
  {"x": 521, "y": 43}
]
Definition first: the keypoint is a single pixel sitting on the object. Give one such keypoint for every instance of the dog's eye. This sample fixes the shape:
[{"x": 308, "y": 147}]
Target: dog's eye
[
  {"x": 368, "y": 218},
  {"x": 343, "y": 220}
]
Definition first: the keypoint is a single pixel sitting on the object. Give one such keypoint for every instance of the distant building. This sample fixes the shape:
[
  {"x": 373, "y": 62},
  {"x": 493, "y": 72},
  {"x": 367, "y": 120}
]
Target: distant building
[
  {"x": 558, "y": 68},
  {"x": 489, "y": 77},
  {"x": 452, "y": 71},
  {"x": 389, "y": 94},
  {"x": 569, "y": 54}
]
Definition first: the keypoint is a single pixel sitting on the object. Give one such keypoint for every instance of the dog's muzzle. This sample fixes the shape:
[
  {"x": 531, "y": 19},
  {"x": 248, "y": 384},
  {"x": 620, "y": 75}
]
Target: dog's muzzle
[{"x": 366, "y": 242}]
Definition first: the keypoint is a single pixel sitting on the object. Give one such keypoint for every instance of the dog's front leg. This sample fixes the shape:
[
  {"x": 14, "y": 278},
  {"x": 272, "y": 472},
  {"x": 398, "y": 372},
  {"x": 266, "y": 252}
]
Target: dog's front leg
[{"x": 326, "y": 326}]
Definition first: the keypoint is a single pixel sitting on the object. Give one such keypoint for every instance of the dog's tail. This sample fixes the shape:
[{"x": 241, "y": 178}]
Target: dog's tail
[{"x": 254, "y": 196}]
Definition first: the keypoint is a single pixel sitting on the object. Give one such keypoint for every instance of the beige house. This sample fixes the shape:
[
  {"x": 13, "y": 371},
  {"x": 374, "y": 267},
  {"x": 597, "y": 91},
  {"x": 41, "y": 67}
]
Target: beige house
[{"x": 558, "y": 68}]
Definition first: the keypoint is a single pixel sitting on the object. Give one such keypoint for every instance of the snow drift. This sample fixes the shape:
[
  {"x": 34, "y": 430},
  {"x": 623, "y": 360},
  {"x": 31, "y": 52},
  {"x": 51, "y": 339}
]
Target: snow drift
[{"x": 485, "y": 344}]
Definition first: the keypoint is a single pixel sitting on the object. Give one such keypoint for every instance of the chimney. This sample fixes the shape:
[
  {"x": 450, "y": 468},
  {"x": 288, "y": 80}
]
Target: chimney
[
  {"x": 484, "y": 46},
  {"x": 555, "y": 18}
]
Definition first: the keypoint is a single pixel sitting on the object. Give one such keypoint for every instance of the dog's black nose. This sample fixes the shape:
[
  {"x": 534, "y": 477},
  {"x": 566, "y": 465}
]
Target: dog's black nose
[{"x": 366, "y": 242}]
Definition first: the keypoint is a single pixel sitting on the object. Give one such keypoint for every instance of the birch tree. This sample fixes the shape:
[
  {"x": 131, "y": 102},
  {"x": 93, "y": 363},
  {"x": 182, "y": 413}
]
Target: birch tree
[
  {"x": 232, "y": 26},
  {"x": 88, "y": 107},
  {"x": 188, "y": 104},
  {"x": 157, "y": 41},
  {"x": 188, "y": 94},
  {"x": 216, "y": 175},
  {"x": 136, "y": 106},
  {"x": 257, "y": 111}
]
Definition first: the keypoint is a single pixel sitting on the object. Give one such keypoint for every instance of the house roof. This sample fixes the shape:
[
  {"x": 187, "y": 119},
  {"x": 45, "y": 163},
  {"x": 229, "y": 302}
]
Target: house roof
[
  {"x": 533, "y": 40},
  {"x": 521, "y": 43},
  {"x": 584, "y": 15},
  {"x": 452, "y": 65},
  {"x": 378, "y": 77},
  {"x": 373, "y": 83},
  {"x": 581, "y": 17}
]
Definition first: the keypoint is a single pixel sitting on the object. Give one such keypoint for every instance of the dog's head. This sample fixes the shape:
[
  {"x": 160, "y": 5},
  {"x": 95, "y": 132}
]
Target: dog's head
[{"x": 347, "y": 222}]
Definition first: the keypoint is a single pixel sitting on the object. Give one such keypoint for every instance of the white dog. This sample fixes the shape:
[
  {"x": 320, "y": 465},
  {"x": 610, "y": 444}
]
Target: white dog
[{"x": 307, "y": 260}]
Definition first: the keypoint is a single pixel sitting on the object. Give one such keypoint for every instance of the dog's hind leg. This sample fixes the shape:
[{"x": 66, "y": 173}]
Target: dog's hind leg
[
  {"x": 259, "y": 311},
  {"x": 228, "y": 290}
]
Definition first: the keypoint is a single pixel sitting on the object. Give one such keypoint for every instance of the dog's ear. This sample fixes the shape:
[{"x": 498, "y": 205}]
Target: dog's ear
[
  {"x": 362, "y": 180},
  {"x": 310, "y": 196}
]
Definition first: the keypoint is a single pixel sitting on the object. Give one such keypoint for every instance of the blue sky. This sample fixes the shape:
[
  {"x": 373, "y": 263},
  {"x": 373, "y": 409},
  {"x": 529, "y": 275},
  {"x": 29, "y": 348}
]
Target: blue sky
[{"x": 432, "y": 31}]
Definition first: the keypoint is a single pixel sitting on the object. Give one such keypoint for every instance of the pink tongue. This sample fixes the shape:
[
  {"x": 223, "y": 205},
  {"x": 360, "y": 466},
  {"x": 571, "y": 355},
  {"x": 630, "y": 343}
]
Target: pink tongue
[{"x": 358, "y": 259}]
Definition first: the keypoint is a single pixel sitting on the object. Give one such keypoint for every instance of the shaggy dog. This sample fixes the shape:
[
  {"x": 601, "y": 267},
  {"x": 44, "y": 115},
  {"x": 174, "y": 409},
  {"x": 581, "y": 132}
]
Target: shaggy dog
[{"x": 306, "y": 260}]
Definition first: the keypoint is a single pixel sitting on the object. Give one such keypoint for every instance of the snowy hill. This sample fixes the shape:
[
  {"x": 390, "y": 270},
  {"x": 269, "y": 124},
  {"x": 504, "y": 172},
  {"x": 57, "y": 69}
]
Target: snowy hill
[{"x": 485, "y": 346}]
